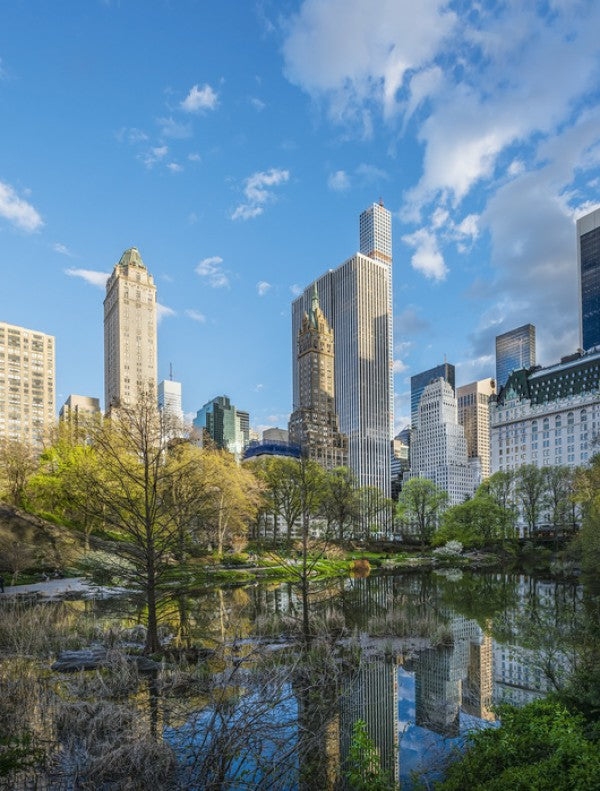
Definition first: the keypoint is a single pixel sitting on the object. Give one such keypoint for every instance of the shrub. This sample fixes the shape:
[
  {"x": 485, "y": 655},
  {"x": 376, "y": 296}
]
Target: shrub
[{"x": 451, "y": 549}]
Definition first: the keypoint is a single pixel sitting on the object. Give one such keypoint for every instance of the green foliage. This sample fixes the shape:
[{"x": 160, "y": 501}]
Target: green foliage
[
  {"x": 587, "y": 495},
  {"x": 419, "y": 505},
  {"x": 475, "y": 523},
  {"x": 541, "y": 746},
  {"x": 364, "y": 771},
  {"x": 17, "y": 754}
]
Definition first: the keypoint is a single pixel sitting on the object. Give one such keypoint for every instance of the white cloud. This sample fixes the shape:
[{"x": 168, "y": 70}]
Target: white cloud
[
  {"x": 199, "y": 99},
  {"x": 18, "y": 211},
  {"x": 427, "y": 257},
  {"x": 153, "y": 155},
  {"x": 162, "y": 312},
  {"x": 256, "y": 193},
  {"x": 194, "y": 157},
  {"x": 195, "y": 316},
  {"x": 91, "y": 276},
  {"x": 262, "y": 287},
  {"x": 353, "y": 57},
  {"x": 296, "y": 289},
  {"x": 169, "y": 127},
  {"x": 62, "y": 249},
  {"x": 211, "y": 269},
  {"x": 131, "y": 135},
  {"x": 338, "y": 181},
  {"x": 371, "y": 173},
  {"x": 399, "y": 367},
  {"x": 174, "y": 167},
  {"x": 257, "y": 103}
]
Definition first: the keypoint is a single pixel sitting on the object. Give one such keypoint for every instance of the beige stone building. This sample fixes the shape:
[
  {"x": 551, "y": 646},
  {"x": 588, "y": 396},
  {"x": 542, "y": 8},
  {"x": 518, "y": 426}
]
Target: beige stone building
[
  {"x": 130, "y": 348},
  {"x": 27, "y": 384},
  {"x": 474, "y": 415},
  {"x": 314, "y": 425},
  {"x": 78, "y": 410}
]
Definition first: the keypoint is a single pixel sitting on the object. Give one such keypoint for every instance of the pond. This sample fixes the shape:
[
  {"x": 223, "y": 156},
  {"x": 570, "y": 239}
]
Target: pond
[{"x": 420, "y": 658}]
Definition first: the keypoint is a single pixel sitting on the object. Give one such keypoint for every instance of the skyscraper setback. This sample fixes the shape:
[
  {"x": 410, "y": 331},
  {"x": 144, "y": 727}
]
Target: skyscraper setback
[
  {"x": 419, "y": 382},
  {"x": 356, "y": 301},
  {"x": 130, "y": 356},
  {"x": 588, "y": 258}
]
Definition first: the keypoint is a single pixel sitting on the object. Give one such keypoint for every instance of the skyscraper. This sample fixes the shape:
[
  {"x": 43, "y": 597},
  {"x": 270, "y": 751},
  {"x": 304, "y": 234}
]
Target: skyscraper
[
  {"x": 221, "y": 422},
  {"x": 438, "y": 448},
  {"x": 27, "y": 384},
  {"x": 474, "y": 416},
  {"x": 77, "y": 411},
  {"x": 169, "y": 400},
  {"x": 356, "y": 301},
  {"x": 514, "y": 350},
  {"x": 130, "y": 356},
  {"x": 419, "y": 382},
  {"x": 314, "y": 425},
  {"x": 588, "y": 259}
]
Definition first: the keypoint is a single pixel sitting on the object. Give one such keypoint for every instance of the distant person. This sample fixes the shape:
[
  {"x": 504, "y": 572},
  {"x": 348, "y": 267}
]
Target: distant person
[{"x": 1, "y": 584}]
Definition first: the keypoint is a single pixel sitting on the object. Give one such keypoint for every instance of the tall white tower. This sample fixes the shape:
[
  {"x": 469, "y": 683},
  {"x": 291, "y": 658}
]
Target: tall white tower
[
  {"x": 130, "y": 356},
  {"x": 356, "y": 300}
]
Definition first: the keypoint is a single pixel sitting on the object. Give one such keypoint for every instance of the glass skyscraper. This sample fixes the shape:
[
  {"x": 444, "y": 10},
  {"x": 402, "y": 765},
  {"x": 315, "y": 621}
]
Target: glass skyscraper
[
  {"x": 514, "y": 350},
  {"x": 588, "y": 257},
  {"x": 419, "y": 382},
  {"x": 227, "y": 427},
  {"x": 356, "y": 300}
]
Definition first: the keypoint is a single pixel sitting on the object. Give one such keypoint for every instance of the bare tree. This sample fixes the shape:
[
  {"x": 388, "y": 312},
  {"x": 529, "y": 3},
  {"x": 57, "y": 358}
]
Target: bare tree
[{"x": 18, "y": 462}]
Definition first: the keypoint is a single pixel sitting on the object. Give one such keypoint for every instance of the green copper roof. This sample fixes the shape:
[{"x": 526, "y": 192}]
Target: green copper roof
[
  {"x": 542, "y": 385},
  {"x": 132, "y": 257}
]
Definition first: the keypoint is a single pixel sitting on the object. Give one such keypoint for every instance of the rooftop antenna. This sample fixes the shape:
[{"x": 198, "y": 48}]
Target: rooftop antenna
[
  {"x": 171, "y": 371},
  {"x": 380, "y": 201}
]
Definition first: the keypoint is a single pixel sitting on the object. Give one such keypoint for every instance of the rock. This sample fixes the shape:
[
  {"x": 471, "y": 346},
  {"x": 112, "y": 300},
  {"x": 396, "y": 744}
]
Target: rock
[{"x": 95, "y": 658}]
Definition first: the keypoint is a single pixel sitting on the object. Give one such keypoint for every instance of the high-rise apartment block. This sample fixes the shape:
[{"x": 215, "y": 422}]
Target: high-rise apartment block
[
  {"x": 438, "y": 448},
  {"x": 419, "y": 382},
  {"x": 314, "y": 424},
  {"x": 130, "y": 353},
  {"x": 548, "y": 416},
  {"x": 474, "y": 416},
  {"x": 169, "y": 401},
  {"x": 588, "y": 259},
  {"x": 27, "y": 384},
  {"x": 514, "y": 350},
  {"x": 78, "y": 410},
  {"x": 356, "y": 301},
  {"x": 220, "y": 422}
]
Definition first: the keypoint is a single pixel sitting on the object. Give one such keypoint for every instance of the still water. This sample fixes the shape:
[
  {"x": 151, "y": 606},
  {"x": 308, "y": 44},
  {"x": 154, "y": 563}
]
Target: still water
[{"x": 438, "y": 653}]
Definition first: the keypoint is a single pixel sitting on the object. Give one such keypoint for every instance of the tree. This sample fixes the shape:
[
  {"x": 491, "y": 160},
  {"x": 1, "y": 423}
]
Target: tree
[
  {"x": 16, "y": 556},
  {"x": 531, "y": 491},
  {"x": 282, "y": 498},
  {"x": 419, "y": 505},
  {"x": 340, "y": 505},
  {"x": 364, "y": 771},
  {"x": 501, "y": 488},
  {"x": 373, "y": 504},
  {"x": 128, "y": 487},
  {"x": 18, "y": 462},
  {"x": 586, "y": 492},
  {"x": 232, "y": 498},
  {"x": 474, "y": 523},
  {"x": 559, "y": 487}
]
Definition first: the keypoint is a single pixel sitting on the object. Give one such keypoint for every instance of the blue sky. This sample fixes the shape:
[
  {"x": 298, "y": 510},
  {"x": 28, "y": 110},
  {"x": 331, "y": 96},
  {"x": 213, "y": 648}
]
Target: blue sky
[{"x": 235, "y": 145}]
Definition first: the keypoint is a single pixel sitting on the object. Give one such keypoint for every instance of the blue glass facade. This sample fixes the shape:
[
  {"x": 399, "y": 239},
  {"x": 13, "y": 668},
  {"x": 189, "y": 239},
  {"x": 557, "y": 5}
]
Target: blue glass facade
[
  {"x": 419, "y": 382},
  {"x": 590, "y": 287},
  {"x": 514, "y": 350}
]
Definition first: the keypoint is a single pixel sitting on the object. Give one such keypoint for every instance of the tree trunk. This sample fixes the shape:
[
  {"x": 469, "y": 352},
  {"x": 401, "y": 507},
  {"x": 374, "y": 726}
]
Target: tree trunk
[{"x": 305, "y": 581}]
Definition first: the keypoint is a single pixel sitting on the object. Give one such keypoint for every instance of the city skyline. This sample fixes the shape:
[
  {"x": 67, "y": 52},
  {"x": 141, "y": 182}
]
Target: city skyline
[{"x": 235, "y": 204}]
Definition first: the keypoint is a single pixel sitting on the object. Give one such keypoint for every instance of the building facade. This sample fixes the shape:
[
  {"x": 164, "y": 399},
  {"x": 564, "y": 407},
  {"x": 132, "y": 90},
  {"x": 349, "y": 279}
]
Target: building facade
[
  {"x": 419, "y": 382},
  {"x": 588, "y": 260},
  {"x": 547, "y": 416},
  {"x": 314, "y": 424},
  {"x": 222, "y": 424},
  {"x": 474, "y": 416},
  {"x": 169, "y": 403},
  {"x": 130, "y": 340},
  {"x": 356, "y": 301},
  {"x": 438, "y": 448},
  {"x": 27, "y": 384},
  {"x": 78, "y": 410},
  {"x": 514, "y": 350}
]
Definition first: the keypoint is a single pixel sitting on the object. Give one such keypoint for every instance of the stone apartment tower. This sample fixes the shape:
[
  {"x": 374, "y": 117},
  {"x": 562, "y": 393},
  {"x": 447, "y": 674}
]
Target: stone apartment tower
[
  {"x": 314, "y": 424},
  {"x": 130, "y": 348},
  {"x": 474, "y": 415}
]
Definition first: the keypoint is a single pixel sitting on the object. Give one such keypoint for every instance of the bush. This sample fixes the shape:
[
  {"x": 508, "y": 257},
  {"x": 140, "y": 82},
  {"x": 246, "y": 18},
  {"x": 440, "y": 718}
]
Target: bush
[{"x": 451, "y": 549}]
